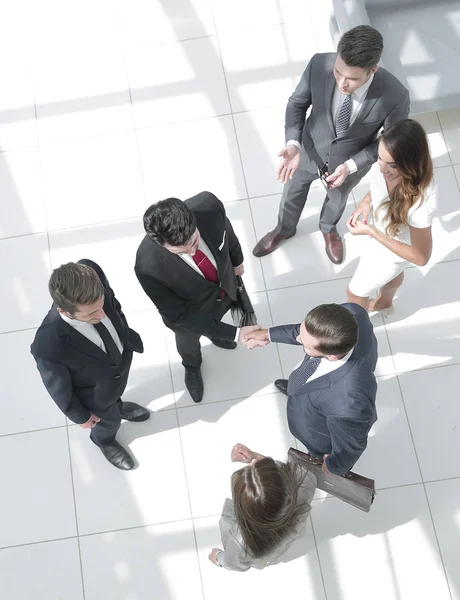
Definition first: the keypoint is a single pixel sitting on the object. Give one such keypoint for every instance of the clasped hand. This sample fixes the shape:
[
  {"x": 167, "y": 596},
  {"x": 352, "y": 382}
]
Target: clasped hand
[{"x": 253, "y": 336}]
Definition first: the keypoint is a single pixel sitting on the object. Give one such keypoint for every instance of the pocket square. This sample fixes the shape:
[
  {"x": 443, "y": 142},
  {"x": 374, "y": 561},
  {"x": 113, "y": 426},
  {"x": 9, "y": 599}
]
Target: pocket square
[{"x": 223, "y": 240}]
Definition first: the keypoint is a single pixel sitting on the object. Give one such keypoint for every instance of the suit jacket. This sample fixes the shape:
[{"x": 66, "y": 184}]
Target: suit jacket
[
  {"x": 235, "y": 557},
  {"x": 386, "y": 102},
  {"x": 77, "y": 374},
  {"x": 184, "y": 298},
  {"x": 333, "y": 413}
]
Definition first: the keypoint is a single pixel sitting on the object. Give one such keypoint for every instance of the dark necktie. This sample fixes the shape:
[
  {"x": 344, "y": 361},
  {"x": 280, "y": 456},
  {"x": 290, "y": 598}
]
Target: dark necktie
[
  {"x": 205, "y": 265},
  {"x": 343, "y": 118},
  {"x": 298, "y": 377},
  {"x": 109, "y": 342}
]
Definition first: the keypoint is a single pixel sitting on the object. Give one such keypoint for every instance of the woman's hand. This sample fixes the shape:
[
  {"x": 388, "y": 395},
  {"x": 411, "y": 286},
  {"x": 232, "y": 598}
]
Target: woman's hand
[
  {"x": 212, "y": 556},
  {"x": 362, "y": 210},
  {"x": 359, "y": 227},
  {"x": 241, "y": 453}
]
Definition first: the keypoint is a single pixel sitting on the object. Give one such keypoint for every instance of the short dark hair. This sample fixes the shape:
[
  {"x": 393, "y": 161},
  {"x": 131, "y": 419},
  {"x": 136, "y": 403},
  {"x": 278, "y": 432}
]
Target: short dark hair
[
  {"x": 335, "y": 328},
  {"x": 169, "y": 222},
  {"x": 73, "y": 284},
  {"x": 361, "y": 46}
]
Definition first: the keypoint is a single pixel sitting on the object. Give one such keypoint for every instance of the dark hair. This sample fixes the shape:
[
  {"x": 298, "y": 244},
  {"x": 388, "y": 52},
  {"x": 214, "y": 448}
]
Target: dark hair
[
  {"x": 73, "y": 284},
  {"x": 361, "y": 46},
  {"x": 169, "y": 222},
  {"x": 407, "y": 143},
  {"x": 334, "y": 327},
  {"x": 265, "y": 502}
]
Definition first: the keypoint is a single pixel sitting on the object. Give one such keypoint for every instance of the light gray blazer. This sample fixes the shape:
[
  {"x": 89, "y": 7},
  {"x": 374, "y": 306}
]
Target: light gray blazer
[
  {"x": 386, "y": 102},
  {"x": 234, "y": 556}
]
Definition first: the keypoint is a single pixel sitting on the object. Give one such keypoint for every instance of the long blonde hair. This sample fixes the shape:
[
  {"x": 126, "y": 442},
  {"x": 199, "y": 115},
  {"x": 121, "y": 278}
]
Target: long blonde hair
[{"x": 407, "y": 143}]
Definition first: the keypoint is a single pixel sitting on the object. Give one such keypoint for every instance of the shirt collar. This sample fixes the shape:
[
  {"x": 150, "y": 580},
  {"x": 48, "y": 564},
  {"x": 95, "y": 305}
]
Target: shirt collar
[
  {"x": 73, "y": 322},
  {"x": 361, "y": 92}
]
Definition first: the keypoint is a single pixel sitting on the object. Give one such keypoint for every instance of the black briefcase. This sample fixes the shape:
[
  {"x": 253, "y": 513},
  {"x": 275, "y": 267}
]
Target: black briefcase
[{"x": 355, "y": 489}]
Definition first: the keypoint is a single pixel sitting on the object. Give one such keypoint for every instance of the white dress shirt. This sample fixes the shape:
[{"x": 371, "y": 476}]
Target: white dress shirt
[
  {"x": 327, "y": 366},
  {"x": 357, "y": 97},
  {"x": 91, "y": 333}
]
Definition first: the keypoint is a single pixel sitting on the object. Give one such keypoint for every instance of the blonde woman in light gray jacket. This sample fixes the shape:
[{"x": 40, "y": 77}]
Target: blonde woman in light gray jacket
[{"x": 271, "y": 502}]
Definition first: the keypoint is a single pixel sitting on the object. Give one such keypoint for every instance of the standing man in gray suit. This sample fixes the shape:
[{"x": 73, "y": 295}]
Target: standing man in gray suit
[
  {"x": 331, "y": 396},
  {"x": 351, "y": 99}
]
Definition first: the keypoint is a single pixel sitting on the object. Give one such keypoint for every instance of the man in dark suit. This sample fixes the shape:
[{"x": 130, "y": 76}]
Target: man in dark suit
[
  {"x": 351, "y": 99},
  {"x": 83, "y": 350},
  {"x": 187, "y": 265},
  {"x": 331, "y": 396}
]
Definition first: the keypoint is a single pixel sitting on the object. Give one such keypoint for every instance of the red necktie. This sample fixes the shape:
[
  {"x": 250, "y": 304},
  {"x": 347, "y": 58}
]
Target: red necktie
[{"x": 205, "y": 266}]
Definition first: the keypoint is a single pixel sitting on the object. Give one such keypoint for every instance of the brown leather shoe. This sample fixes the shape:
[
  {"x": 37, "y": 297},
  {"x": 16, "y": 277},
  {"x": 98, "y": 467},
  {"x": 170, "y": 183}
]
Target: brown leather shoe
[
  {"x": 334, "y": 247},
  {"x": 269, "y": 242}
]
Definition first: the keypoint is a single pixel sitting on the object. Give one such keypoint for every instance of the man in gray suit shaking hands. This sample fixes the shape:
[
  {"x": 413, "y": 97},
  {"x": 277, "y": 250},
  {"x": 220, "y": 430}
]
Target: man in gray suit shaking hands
[
  {"x": 351, "y": 99},
  {"x": 331, "y": 395}
]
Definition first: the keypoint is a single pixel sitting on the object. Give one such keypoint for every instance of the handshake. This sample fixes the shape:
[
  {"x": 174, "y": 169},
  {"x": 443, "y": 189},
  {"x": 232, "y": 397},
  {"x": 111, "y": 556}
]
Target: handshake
[{"x": 253, "y": 336}]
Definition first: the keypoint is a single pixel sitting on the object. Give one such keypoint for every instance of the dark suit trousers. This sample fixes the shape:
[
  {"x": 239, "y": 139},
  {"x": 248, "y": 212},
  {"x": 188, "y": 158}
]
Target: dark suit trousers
[
  {"x": 188, "y": 342},
  {"x": 105, "y": 431},
  {"x": 295, "y": 195}
]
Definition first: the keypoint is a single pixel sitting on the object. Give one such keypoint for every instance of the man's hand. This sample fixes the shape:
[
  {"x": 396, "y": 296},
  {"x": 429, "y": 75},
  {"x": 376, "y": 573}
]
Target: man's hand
[
  {"x": 239, "y": 270},
  {"x": 241, "y": 453},
  {"x": 245, "y": 331},
  {"x": 324, "y": 466},
  {"x": 91, "y": 422},
  {"x": 338, "y": 176},
  {"x": 289, "y": 163},
  {"x": 256, "y": 338},
  {"x": 212, "y": 556}
]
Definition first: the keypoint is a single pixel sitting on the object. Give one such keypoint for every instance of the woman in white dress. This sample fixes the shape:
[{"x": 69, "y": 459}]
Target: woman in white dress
[
  {"x": 270, "y": 505},
  {"x": 403, "y": 199}
]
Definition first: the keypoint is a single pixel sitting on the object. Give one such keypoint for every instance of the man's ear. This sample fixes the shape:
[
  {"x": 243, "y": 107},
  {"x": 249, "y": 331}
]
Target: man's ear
[{"x": 375, "y": 69}]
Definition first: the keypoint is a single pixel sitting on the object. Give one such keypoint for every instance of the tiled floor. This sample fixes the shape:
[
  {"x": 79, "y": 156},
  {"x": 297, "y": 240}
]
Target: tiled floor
[{"x": 105, "y": 107}]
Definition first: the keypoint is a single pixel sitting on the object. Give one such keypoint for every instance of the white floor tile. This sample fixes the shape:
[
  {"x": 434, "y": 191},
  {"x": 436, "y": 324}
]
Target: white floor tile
[
  {"x": 18, "y": 127},
  {"x": 23, "y": 397},
  {"x": 142, "y": 564},
  {"x": 291, "y": 305},
  {"x": 113, "y": 247},
  {"x": 79, "y": 103},
  {"x": 49, "y": 570},
  {"x": 261, "y": 136},
  {"x": 208, "y": 434},
  {"x": 450, "y": 121},
  {"x": 25, "y": 298},
  {"x": 147, "y": 22},
  {"x": 438, "y": 147},
  {"x": 299, "y": 565},
  {"x": 36, "y": 503},
  {"x": 93, "y": 180},
  {"x": 424, "y": 330},
  {"x": 228, "y": 374},
  {"x": 177, "y": 82},
  {"x": 443, "y": 499},
  {"x": 108, "y": 498},
  {"x": 240, "y": 217},
  {"x": 241, "y": 12},
  {"x": 150, "y": 381},
  {"x": 446, "y": 225},
  {"x": 303, "y": 259},
  {"x": 380, "y": 457},
  {"x": 393, "y": 545},
  {"x": 263, "y": 65},
  {"x": 432, "y": 399},
  {"x": 22, "y": 203},
  {"x": 184, "y": 159}
]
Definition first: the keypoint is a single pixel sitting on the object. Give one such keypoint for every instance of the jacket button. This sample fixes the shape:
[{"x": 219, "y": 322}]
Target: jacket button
[{"x": 117, "y": 376}]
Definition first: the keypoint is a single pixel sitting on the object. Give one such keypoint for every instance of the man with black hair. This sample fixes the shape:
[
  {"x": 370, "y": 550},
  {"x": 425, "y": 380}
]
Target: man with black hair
[
  {"x": 187, "y": 265},
  {"x": 351, "y": 99}
]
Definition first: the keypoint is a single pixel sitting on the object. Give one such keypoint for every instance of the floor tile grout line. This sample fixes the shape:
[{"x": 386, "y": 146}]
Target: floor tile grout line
[
  {"x": 75, "y": 511},
  {"x": 318, "y": 556},
  {"x": 444, "y": 138}
]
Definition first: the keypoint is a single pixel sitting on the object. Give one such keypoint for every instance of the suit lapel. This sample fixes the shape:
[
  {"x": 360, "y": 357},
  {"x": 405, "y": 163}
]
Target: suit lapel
[
  {"x": 80, "y": 342},
  {"x": 328, "y": 379},
  {"x": 373, "y": 94},
  {"x": 329, "y": 96}
]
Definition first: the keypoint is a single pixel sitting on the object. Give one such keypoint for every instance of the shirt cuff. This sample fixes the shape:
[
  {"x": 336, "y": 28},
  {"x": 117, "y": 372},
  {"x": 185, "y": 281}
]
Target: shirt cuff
[
  {"x": 351, "y": 165},
  {"x": 237, "y": 334},
  {"x": 268, "y": 333},
  {"x": 294, "y": 143}
]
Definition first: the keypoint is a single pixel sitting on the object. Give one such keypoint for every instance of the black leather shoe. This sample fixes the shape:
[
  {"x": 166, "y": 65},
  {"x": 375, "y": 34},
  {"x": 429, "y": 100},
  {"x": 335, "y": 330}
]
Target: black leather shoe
[
  {"x": 118, "y": 456},
  {"x": 194, "y": 383},
  {"x": 225, "y": 344},
  {"x": 130, "y": 411},
  {"x": 281, "y": 385}
]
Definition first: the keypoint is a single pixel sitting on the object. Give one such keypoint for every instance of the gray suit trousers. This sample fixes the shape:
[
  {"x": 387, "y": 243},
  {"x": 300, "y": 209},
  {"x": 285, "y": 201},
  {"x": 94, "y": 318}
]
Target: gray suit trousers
[{"x": 295, "y": 195}]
